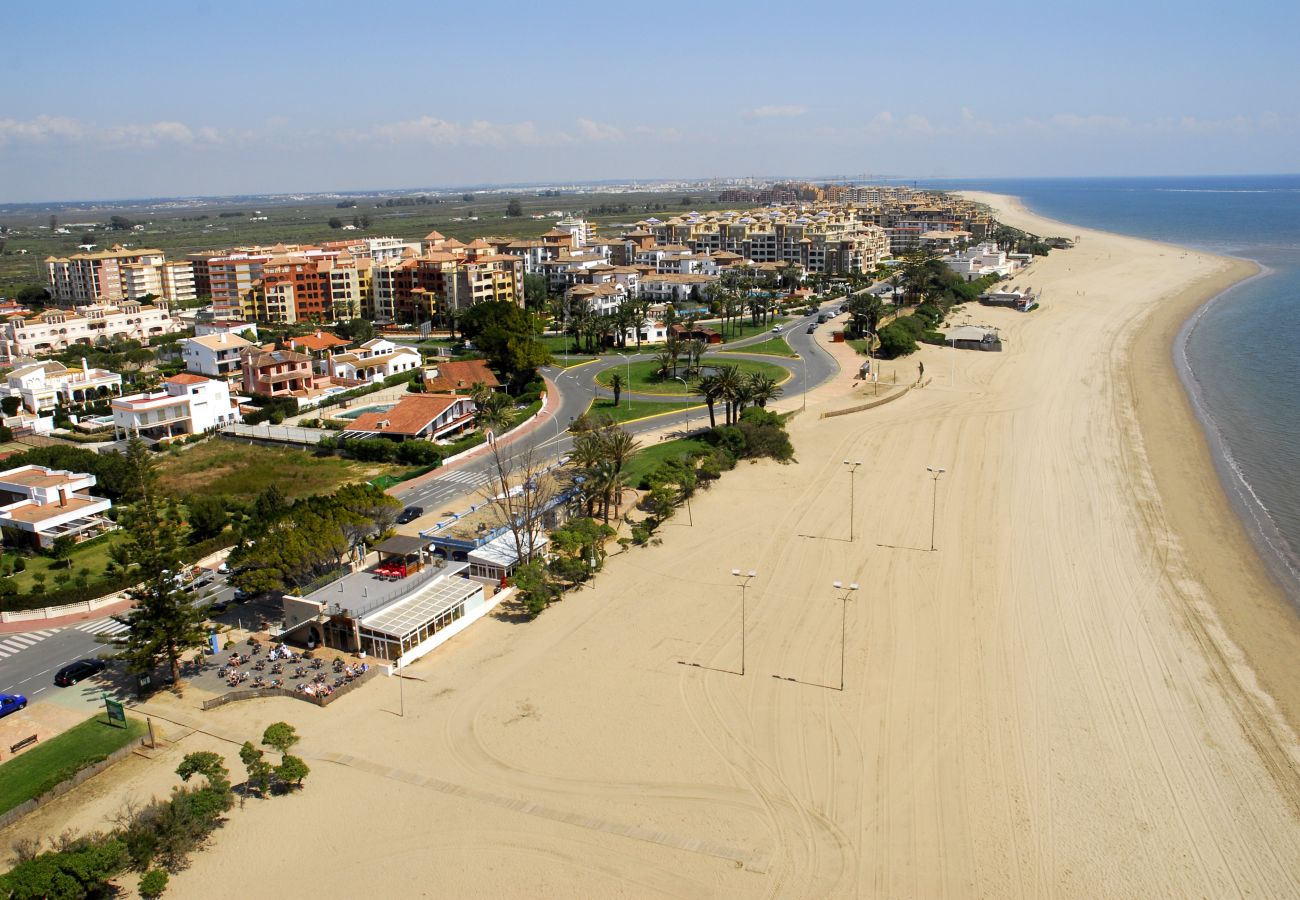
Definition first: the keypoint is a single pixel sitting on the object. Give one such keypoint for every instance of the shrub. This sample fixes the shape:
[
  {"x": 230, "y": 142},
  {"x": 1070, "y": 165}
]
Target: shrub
[
  {"x": 418, "y": 453},
  {"x": 81, "y": 869},
  {"x": 153, "y": 883},
  {"x": 896, "y": 341}
]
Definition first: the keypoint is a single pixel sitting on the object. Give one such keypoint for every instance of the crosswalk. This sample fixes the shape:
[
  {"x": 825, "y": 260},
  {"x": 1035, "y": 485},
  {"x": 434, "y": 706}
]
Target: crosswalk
[
  {"x": 102, "y": 626},
  {"x": 17, "y": 643},
  {"x": 464, "y": 476}
]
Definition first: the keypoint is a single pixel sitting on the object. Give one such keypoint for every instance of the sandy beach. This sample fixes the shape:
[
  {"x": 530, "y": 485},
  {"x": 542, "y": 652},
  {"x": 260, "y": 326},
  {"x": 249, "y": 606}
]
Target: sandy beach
[{"x": 1082, "y": 692}]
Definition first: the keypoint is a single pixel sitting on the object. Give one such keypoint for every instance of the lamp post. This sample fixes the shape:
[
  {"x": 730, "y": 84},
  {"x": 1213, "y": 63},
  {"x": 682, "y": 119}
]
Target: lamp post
[
  {"x": 744, "y": 582},
  {"x": 934, "y": 502},
  {"x": 627, "y": 359},
  {"x": 805, "y": 381},
  {"x": 853, "y": 469},
  {"x": 844, "y": 619}
]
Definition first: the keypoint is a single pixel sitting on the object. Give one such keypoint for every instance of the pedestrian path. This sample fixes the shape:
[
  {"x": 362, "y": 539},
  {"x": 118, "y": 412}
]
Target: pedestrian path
[
  {"x": 102, "y": 626},
  {"x": 465, "y": 476},
  {"x": 17, "y": 643}
]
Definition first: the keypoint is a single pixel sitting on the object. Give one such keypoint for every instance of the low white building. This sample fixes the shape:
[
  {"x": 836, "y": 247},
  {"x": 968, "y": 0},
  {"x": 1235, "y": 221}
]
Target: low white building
[
  {"x": 374, "y": 361},
  {"x": 45, "y": 385},
  {"x": 47, "y": 504},
  {"x": 247, "y": 330},
  {"x": 976, "y": 262},
  {"x": 214, "y": 355},
  {"x": 675, "y": 288},
  {"x": 187, "y": 404},
  {"x": 52, "y": 330}
]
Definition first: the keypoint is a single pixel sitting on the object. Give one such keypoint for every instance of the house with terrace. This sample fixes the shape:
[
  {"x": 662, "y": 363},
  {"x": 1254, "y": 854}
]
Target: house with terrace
[
  {"x": 425, "y": 417},
  {"x": 214, "y": 355},
  {"x": 186, "y": 404},
  {"x": 374, "y": 361},
  {"x": 43, "y": 386},
  {"x": 279, "y": 373},
  {"x": 39, "y": 505}
]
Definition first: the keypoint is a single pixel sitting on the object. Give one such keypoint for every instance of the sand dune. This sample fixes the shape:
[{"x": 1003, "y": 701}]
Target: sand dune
[{"x": 1045, "y": 705}]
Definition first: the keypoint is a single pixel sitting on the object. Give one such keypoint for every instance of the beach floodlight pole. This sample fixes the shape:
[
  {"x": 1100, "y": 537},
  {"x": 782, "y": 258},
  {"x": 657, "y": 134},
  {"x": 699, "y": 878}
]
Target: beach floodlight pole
[
  {"x": 805, "y": 381},
  {"x": 853, "y": 468},
  {"x": 844, "y": 618},
  {"x": 934, "y": 500},
  {"x": 744, "y": 582},
  {"x": 401, "y": 689}
]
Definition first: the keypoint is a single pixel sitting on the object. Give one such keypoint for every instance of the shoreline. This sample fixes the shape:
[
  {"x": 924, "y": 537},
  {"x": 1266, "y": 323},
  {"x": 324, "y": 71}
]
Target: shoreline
[{"x": 1248, "y": 598}]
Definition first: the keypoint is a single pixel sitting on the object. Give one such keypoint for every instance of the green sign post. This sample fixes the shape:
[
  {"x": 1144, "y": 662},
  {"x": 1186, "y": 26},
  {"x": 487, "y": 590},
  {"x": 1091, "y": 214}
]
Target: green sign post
[{"x": 116, "y": 713}]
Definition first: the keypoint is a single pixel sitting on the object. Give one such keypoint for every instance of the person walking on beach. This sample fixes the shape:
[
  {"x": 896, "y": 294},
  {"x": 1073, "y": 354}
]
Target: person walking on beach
[{"x": 920, "y": 372}]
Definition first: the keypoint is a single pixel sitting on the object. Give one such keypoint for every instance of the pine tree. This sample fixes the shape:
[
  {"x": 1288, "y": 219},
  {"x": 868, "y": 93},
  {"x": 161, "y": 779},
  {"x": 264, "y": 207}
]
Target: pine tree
[{"x": 163, "y": 623}]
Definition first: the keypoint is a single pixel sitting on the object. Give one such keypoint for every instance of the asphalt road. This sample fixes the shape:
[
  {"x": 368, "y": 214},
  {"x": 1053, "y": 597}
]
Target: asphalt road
[{"x": 30, "y": 659}]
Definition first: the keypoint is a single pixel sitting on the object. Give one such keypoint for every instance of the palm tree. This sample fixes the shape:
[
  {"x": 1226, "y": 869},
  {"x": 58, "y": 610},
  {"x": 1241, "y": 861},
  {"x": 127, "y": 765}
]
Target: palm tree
[
  {"x": 616, "y": 385},
  {"x": 694, "y": 355},
  {"x": 665, "y": 359},
  {"x": 674, "y": 349},
  {"x": 728, "y": 382},
  {"x": 709, "y": 386},
  {"x": 741, "y": 397},
  {"x": 618, "y": 446},
  {"x": 762, "y": 388},
  {"x": 587, "y": 455}
]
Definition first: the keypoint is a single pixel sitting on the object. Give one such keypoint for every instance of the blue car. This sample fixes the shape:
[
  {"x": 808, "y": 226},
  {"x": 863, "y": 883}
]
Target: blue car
[{"x": 11, "y": 703}]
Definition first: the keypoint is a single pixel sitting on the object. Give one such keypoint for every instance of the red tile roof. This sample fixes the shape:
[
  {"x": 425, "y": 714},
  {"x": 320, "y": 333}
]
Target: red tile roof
[
  {"x": 461, "y": 376},
  {"x": 186, "y": 378},
  {"x": 410, "y": 416}
]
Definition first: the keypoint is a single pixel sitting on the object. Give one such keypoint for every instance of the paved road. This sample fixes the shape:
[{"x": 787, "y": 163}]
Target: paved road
[
  {"x": 577, "y": 387},
  {"x": 28, "y": 660}
]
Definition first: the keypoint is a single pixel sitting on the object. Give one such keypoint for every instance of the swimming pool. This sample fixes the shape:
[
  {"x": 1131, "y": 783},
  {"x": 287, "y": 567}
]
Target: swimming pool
[{"x": 353, "y": 413}]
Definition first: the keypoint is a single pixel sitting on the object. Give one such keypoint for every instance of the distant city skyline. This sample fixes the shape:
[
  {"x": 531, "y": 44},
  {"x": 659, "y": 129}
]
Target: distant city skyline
[{"x": 155, "y": 99}]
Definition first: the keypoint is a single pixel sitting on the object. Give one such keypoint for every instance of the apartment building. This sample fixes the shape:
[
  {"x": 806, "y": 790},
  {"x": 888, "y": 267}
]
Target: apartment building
[
  {"x": 186, "y": 404},
  {"x": 214, "y": 355},
  {"x": 450, "y": 275},
  {"x": 98, "y": 276},
  {"x": 233, "y": 279},
  {"x": 172, "y": 281},
  {"x": 45, "y": 385},
  {"x": 58, "y": 329},
  {"x": 820, "y": 238},
  {"x": 46, "y": 504}
]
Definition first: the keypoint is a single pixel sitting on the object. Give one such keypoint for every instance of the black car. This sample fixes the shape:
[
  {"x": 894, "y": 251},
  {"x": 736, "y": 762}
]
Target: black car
[
  {"x": 812, "y": 327},
  {"x": 410, "y": 514},
  {"x": 78, "y": 671}
]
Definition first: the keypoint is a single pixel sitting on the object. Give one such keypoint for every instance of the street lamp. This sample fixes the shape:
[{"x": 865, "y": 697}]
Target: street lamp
[
  {"x": 853, "y": 469},
  {"x": 627, "y": 359},
  {"x": 844, "y": 631},
  {"x": 934, "y": 503},
  {"x": 744, "y": 582},
  {"x": 805, "y": 381}
]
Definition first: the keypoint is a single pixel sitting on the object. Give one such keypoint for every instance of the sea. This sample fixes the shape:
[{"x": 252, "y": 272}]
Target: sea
[{"x": 1239, "y": 355}]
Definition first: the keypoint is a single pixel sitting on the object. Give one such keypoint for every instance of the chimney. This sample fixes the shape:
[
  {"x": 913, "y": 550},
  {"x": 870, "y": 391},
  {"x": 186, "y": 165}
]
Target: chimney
[
  {"x": 85, "y": 370},
  {"x": 63, "y": 496},
  {"x": 221, "y": 338}
]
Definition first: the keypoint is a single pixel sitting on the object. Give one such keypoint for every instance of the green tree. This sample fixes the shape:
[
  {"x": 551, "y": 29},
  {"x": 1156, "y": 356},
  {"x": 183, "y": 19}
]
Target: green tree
[
  {"x": 10, "y": 405},
  {"x": 163, "y": 623},
  {"x": 153, "y": 883},
  {"x": 259, "y": 770},
  {"x": 207, "y": 516},
  {"x": 62, "y": 548},
  {"x": 280, "y": 736},
  {"x": 208, "y": 764},
  {"x": 536, "y": 291},
  {"x": 514, "y": 209},
  {"x": 536, "y": 589},
  {"x": 291, "y": 771},
  {"x": 896, "y": 340},
  {"x": 82, "y": 869},
  {"x": 616, "y": 385}
]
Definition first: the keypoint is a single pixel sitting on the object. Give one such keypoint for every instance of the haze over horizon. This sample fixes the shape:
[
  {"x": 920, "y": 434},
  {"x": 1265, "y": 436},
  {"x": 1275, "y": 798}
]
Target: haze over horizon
[{"x": 155, "y": 100}]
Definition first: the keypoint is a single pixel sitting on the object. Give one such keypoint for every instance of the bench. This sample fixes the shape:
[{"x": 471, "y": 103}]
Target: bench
[{"x": 25, "y": 742}]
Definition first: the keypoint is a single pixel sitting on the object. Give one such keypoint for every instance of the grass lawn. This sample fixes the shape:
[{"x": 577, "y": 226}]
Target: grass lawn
[
  {"x": 45, "y": 765},
  {"x": 92, "y": 555},
  {"x": 636, "y": 409},
  {"x": 644, "y": 461},
  {"x": 225, "y": 468},
  {"x": 645, "y": 380},
  {"x": 741, "y": 329},
  {"x": 862, "y": 345},
  {"x": 571, "y": 361},
  {"x": 777, "y": 346}
]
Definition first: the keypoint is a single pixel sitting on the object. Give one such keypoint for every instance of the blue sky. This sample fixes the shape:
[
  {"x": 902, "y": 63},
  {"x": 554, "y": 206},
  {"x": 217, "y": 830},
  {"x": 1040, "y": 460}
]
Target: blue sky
[{"x": 158, "y": 99}]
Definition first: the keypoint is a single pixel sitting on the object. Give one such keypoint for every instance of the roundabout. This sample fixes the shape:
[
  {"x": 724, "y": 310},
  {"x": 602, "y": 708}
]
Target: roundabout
[{"x": 642, "y": 377}]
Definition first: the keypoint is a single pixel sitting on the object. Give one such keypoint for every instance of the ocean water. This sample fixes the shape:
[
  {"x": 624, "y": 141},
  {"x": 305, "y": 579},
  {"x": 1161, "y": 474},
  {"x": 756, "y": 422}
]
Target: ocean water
[{"x": 1241, "y": 354}]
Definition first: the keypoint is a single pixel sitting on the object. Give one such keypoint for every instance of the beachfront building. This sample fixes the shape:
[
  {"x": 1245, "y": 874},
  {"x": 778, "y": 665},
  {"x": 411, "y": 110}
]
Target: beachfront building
[
  {"x": 97, "y": 276},
  {"x": 677, "y": 289},
  {"x": 53, "y": 330},
  {"x": 214, "y": 355},
  {"x": 984, "y": 259},
  {"x": 45, "y": 385},
  {"x": 449, "y": 276},
  {"x": 42, "y": 505},
  {"x": 416, "y": 417},
  {"x": 186, "y": 404},
  {"x": 374, "y": 361},
  {"x": 398, "y": 606}
]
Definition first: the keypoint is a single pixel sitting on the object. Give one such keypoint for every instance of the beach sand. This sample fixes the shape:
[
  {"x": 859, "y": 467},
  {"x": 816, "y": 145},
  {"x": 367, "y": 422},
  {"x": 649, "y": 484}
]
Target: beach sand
[{"x": 1053, "y": 702}]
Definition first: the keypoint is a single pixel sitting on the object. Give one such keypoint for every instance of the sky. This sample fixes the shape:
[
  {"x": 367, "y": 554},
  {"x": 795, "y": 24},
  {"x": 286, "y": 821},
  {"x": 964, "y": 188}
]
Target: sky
[{"x": 214, "y": 97}]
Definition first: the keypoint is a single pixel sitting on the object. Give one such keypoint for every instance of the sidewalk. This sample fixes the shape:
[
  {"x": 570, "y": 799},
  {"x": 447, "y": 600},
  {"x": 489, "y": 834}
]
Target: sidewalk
[{"x": 111, "y": 609}]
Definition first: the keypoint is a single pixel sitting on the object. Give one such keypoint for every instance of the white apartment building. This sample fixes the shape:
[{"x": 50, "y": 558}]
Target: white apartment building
[
  {"x": 45, "y": 385},
  {"x": 187, "y": 404},
  {"x": 374, "y": 361},
  {"x": 50, "y": 503},
  {"x": 214, "y": 355},
  {"x": 985, "y": 259},
  {"x": 675, "y": 289},
  {"x": 172, "y": 281},
  {"x": 582, "y": 231},
  {"x": 58, "y": 329},
  {"x": 246, "y": 330}
]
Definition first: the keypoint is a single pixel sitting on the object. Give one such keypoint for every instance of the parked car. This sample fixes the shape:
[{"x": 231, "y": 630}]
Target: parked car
[
  {"x": 410, "y": 514},
  {"x": 78, "y": 671},
  {"x": 217, "y": 608},
  {"x": 224, "y": 568},
  {"x": 11, "y": 703},
  {"x": 241, "y": 594}
]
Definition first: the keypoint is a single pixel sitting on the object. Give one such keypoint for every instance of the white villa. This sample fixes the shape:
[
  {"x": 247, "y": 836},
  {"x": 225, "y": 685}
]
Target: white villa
[
  {"x": 187, "y": 404},
  {"x": 984, "y": 259},
  {"x": 44, "y": 385},
  {"x": 58, "y": 329},
  {"x": 49, "y": 503},
  {"x": 374, "y": 361},
  {"x": 214, "y": 355}
]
